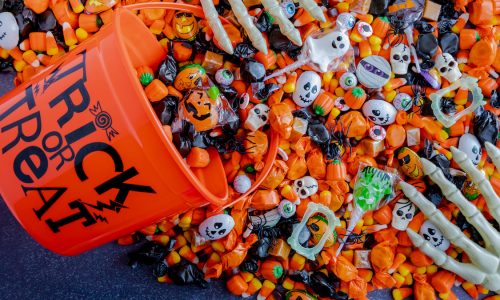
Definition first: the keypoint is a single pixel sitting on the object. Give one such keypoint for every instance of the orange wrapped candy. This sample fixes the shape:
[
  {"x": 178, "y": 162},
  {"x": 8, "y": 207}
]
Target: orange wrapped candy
[
  {"x": 276, "y": 175},
  {"x": 343, "y": 269},
  {"x": 422, "y": 290},
  {"x": 281, "y": 119},
  {"x": 264, "y": 199},
  {"x": 382, "y": 256},
  {"x": 316, "y": 164}
]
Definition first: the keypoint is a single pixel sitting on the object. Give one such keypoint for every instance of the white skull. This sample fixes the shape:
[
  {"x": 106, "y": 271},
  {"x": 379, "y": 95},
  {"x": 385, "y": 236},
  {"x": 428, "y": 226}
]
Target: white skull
[
  {"x": 258, "y": 116},
  {"x": 434, "y": 236},
  {"x": 307, "y": 88},
  {"x": 400, "y": 59},
  {"x": 402, "y": 214},
  {"x": 305, "y": 186},
  {"x": 469, "y": 144},
  {"x": 216, "y": 227},
  {"x": 9, "y": 31},
  {"x": 324, "y": 49},
  {"x": 447, "y": 67}
]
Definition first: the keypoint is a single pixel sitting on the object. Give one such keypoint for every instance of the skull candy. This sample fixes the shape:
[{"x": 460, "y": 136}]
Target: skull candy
[
  {"x": 448, "y": 67},
  {"x": 402, "y": 214},
  {"x": 434, "y": 236},
  {"x": 400, "y": 59},
  {"x": 324, "y": 49},
  {"x": 305, "y": 186},
  {"x": 257, "y": 117},
  {"x": 216, "y": 227},
  {"x": 307, "y": 88}
]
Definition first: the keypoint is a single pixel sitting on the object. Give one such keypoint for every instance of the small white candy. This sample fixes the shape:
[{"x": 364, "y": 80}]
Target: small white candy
[
  {"x": 9, "y": 31},
  {"x": 348, "y": 80},
  {"x": 242, "y": 183},
  {"x": 402, "y": 102},
  {"x": 216, "y": 227},
  {"x": 286, "y": 209},
  {"x": 345, "y": 21},
  {"x": 364, "y": 29},
  {"x": 434, "y": 236}
]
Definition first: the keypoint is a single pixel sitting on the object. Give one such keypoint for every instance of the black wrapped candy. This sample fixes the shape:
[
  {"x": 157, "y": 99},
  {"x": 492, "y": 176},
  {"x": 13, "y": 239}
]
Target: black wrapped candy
[
  {"x": 252, "y": 70},
  {"x": 148, "y": 254},
  {"x": 185, "y": 273},
  {"x": 167, "y": 70},
  {"x": 486, "y": 127}
]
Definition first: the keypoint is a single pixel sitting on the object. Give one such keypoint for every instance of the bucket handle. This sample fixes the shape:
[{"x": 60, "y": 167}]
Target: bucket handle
[{"x": 196, "y": 10}]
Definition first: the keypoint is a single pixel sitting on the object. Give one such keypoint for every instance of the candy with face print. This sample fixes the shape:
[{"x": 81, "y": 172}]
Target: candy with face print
[
  {"x": 9, "y": 31},
  {"x": 185, "y": 25},
  {"x": 434, "y": 236},
  {"x": 373, "y": 71},
  {"x": 469, "y": 144},
  {"x": 216, "y": 227},
  {"x": 402, "y": 214},
  {"x": 190, "y": 77},
  {"x": 307, "y": 88},
  {"x": 325, "y": 48},
  {"x": 379, "y": 112},
  {"x": 410, "y": 163}
]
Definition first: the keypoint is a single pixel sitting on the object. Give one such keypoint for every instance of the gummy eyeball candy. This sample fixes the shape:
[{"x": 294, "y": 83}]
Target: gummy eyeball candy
[
  {"x": 224, "y": 77},
  {"x": 9, "y": 31},
  {"x": 377, "y": 133},
  {"x": 345, "y": 21},
  {"x": 341, "y": 105},
  {"x": 242, "y": 183},
  {"x": 216, "y": 227},
  {"x": 288, "y": 8},
  {"x": 348, "y": 80},
  {"x": 364, "y": 29},
  {"x": 379, "y": 112},
  {"x": 307, "y": 88},
  {"x": 402, "y": 101},
  {"x": 286, "y": 209}
]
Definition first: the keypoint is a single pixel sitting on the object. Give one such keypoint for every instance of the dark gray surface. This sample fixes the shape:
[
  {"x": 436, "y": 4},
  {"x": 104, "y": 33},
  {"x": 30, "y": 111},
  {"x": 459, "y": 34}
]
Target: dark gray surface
[{"x": 28, "y": 271}]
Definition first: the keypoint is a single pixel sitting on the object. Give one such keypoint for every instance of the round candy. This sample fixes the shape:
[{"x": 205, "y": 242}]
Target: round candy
[
  {"x": 242, "y": 183},
  {"x": 364, "y": 29},
  {"x": 216, "y": 227},
  {"x": 373, "y": 71},
  {"x": 9, "y": 31},
  {"x": 224, "y": 77},
  {"x": 288, "y": 8},
  {"x": 286, "y": 209},
  {"x": 348, "y": 80},
  {"x": 345, "y": 21},
  {"x": 377, "y": 133},
  {"x": 402, "y": 101},
  {"x": 341, "y": 105},
  {"x": 307, "y": 88},
  {"x": 379, "y": 112}
]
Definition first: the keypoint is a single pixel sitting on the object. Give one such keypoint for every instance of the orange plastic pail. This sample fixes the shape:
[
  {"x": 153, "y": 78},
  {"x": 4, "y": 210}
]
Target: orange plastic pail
[{"x": 84, "y": 159}]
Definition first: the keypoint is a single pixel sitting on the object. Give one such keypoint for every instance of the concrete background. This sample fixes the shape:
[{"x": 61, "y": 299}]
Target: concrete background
[{"x": 28, "y": 271}]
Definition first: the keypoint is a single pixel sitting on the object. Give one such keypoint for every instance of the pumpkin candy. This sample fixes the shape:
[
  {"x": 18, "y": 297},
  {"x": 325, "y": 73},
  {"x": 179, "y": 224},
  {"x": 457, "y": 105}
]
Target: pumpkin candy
[
  {"x": 190, "y": 77},
  {"x": 355, "y": 98},
  {"x": 185, "y": 25},
  {"x": 200, "y": 110},
  {"x": 381, "y": 26},
  {"x": 323, "y": 104}
]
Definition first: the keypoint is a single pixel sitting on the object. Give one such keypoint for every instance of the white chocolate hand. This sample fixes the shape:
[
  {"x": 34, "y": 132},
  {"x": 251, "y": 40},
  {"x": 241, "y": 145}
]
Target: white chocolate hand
[
  {"x": 255, "y": 36},
  {"x": 485, "y": 266}
]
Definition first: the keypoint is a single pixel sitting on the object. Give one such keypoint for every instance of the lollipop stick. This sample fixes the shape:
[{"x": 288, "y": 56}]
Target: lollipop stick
[
  {"x": 287, "y": 69},
  {"x": 409, "y": 36}
]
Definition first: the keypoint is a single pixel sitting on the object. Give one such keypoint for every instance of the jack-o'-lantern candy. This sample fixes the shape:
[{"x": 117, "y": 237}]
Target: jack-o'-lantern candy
[
  {"x": 318, "y": 225},
  {"x": 185, "y": 25},
  {"x": 190, "y": 77},
  {"x": 200, "y": 110},
  {"x": 299, "y": 295},
  {"x": 410, "y": 163}
]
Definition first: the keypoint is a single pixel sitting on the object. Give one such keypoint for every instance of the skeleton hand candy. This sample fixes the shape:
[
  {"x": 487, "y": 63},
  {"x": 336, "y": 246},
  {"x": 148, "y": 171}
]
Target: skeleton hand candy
[
  {"x": 484, "y": 266},
  {"x": 273, "y": 8}
]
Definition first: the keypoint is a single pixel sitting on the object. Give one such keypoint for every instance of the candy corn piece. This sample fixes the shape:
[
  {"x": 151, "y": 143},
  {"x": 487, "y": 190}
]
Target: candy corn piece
[
  {"x": 69, "y": 35},
  {"x": 172, "y": 258},
  {"x": 31, "y": 58},
  {"x": 266, "y": 290},
  {"x": 253, "y": 286},
  {"x": 52, "y": 48},
  {"x": 77, "y": 6},
  {"x": 188, "y": 255}
]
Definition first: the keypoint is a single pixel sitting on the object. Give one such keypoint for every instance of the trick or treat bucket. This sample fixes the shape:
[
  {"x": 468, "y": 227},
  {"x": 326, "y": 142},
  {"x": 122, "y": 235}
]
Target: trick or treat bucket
[{"x": 84, "y": 158}]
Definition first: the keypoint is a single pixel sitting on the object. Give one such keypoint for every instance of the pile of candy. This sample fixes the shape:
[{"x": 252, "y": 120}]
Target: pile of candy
[{"x": 376, "y": 86}]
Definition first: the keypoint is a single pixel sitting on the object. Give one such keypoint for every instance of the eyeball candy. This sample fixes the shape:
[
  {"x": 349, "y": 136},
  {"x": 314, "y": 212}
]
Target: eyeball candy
[
  {"x": 373, "y": 71},
  {"x": 288, "y": 8},
  {"x": 379, "y": 112},
  {"x": 348, "y": 80},
  {"x": 402, "y": 102},
  {"x": 307, "y": 88},
  {"x": 9, "y": 31},
  {"x": 341, "y": 105},
  {"x": 224, "y": 77},
  {"x": 216, "y": 227},
  {"x": 345, "y": 21},
  {"x": 242, "y": 183},
  {"x": 364, "y": 29},
  {"x": 286, "y": 209},
  {"x": 377, "y": 133}
]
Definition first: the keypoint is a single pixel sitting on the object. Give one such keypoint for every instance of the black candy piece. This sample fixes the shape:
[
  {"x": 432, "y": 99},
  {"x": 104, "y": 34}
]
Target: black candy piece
[
  {"x": 278, "y": 41},
  {"x": 252, "y": 70},
  {"x": 186, "y": 273},
  {"x": 321, "y": 285},
  {"x": 378, "y": 7},
  {"x": 249, "y": 265},
  {"x": 319, "y": 133},
  {"x": 486, "y": 127},
  {"x": 433, "y": 194},
  {"x": 160, "y": 269},
  {"x": 300, "y": 276},
  {"x": 427, "y": 45},
  {"x": 370, "y": 241},
  {"x": 262, "y": 91},
  {"x": 303, "y": 113},
  {"x": 46, "y": 21},
  {"x": 168, "y": 114},
  {"x": 341, "y": 296},
  {"x": 443, "y": 163},
  {"x": 264, "y": 23},
  {"x": 244, "y": 50},
  {"x": 148, "y": 254},
  {"x": 449, "y": 43},
  {"x": 167, "y": 70},
  {"x": 495, "y": 99},
  {"x": 25, "y": 20},
  {"x": 448, "y": 106},
  {"x": 424, "y": 27},
  {"x": 260, "y": 248}
]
